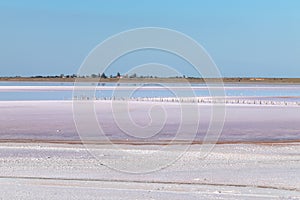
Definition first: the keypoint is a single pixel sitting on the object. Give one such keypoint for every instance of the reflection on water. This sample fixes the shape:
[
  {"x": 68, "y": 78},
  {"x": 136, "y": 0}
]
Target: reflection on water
[{"x": 278, "y": 92}]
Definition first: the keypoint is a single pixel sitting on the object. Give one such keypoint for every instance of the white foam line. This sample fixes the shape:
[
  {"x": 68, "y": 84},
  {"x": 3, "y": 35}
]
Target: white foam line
[{"x": 35, "y": 102}]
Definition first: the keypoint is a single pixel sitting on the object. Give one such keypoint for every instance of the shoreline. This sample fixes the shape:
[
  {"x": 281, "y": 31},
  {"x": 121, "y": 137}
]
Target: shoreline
[
  {"x": 145, "y": 101},
  {"x": 235, "y": 80}
]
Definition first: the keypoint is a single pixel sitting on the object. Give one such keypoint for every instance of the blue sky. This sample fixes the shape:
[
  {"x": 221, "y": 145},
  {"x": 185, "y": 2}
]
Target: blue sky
[{"x": 245, "y": 38}]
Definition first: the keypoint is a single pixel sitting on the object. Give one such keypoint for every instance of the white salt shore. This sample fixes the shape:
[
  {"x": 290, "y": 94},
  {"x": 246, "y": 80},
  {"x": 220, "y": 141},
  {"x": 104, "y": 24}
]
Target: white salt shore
[
  {"x": 36, "y": 161},
  {"x": 240, "y": 171}
]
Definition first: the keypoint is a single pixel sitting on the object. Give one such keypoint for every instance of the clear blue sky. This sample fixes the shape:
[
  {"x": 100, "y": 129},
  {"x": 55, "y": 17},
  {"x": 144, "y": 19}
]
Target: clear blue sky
[{"x": 245, "y": 38}]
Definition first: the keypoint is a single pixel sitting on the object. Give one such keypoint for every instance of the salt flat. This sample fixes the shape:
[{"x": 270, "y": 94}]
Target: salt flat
[{"x": 61, "y": 171}]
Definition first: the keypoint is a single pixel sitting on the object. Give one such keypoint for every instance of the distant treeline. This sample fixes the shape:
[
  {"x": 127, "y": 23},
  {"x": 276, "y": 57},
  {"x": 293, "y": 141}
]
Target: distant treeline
[
  {"x": 146, "y": 78},
  {"x": 99, "y": 75}
]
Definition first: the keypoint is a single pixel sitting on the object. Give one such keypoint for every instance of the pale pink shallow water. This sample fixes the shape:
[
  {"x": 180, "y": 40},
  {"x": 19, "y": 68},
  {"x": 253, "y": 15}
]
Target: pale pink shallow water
[{"x": 53, "y": 120}]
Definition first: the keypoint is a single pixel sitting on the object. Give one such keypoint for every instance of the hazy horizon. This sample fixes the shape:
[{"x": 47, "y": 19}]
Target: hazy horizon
[{"x": 245, "y": 39}]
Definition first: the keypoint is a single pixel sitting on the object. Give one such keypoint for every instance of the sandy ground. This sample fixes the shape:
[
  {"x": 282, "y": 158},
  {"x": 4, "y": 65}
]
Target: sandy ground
[{"x": 240, "y": 171}]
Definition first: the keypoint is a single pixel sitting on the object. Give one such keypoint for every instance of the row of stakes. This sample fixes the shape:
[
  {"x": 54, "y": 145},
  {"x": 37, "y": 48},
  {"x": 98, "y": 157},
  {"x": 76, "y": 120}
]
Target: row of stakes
[{"x": 192, "y": 100}]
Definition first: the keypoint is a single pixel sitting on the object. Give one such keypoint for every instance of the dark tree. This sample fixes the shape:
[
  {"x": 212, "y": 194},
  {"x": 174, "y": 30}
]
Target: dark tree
[{"x": 103, "y": 75}]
